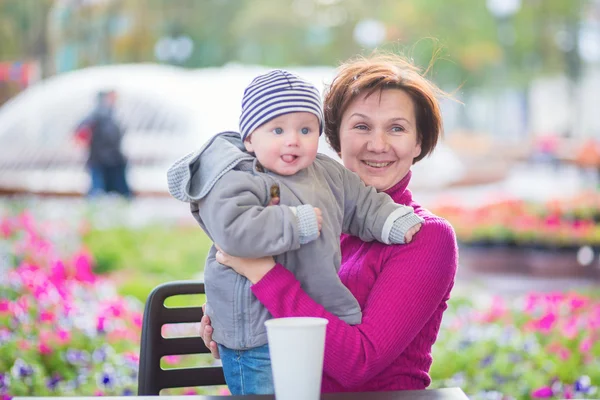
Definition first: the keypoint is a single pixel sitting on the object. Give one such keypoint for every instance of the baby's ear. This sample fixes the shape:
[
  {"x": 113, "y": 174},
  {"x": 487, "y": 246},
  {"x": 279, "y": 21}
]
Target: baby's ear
[{"x": 248, "y": 144}]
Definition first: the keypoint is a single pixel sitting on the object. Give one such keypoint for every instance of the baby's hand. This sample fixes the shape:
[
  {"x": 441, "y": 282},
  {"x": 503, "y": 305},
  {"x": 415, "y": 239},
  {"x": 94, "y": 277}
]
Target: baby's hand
[
  {"x": 412, "y": 232},
  {"x": 319, "y": 215}
]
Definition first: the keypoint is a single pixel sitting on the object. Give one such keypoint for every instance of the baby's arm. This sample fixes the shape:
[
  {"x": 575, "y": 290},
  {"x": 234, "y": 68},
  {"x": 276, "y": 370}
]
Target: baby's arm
[
  {"x": 373, "y": 215},
  {"x": 236, "y": 216}
]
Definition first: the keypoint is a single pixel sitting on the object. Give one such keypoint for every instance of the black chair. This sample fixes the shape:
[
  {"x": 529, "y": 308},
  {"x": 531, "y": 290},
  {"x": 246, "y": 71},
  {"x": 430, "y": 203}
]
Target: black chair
[{"x": 152, "y": 378}]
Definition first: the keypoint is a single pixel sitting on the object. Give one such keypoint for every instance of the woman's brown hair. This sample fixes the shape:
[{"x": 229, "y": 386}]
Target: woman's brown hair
[{"x": 377, "y": 73}]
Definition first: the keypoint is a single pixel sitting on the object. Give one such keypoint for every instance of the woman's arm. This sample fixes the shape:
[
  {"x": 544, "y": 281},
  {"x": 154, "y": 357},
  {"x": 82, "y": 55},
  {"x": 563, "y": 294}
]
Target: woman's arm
[{"x": 407, "y": 292}]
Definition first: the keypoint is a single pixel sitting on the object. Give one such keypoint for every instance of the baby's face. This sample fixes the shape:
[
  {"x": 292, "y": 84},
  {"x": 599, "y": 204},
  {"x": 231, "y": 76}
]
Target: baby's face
[{"x": 286, "y": 144}]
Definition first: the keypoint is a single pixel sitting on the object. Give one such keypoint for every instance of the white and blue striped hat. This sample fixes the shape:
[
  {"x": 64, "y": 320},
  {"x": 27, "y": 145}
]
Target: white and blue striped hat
[{"x": 276, "y": 93}]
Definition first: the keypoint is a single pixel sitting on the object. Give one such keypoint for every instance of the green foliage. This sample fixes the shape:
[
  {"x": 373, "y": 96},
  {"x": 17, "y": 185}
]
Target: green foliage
[
  {"x": 303, "y": 32},
  {"x": 142, "y": 258}
]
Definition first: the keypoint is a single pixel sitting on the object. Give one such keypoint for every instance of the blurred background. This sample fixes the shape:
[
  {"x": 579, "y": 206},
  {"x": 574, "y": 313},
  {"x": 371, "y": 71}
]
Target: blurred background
[{"x": 517, "y": 173}]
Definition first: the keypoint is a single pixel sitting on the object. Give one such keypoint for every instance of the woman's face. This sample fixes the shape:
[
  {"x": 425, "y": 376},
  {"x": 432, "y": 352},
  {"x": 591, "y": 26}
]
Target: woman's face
[{"x": 378, "y": 137}]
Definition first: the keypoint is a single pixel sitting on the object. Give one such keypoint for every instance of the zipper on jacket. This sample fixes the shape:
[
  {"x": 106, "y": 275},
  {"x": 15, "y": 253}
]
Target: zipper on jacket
[{"x": 241, "y": 309}]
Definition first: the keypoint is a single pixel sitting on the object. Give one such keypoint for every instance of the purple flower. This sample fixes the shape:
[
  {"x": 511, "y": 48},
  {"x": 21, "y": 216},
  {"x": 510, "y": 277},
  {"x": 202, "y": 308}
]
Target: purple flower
[
  {"x": 487, "y": 361},
  {"x": 77, "y": 357},
  {"x": 99, "y": 355},
  {"x": 21, "y": 369},
  {"x": 500, "y": 379},
  {"x": 515, "y": 358},
  {"x": 106, "y": 379},
  {"x": 583, "y": 384},
  {"x": 5, "y": 335},
  {"x": 127, "y": 392},
  {"x": 3, "y": 382},
  {"x": 52, "y": 382}
]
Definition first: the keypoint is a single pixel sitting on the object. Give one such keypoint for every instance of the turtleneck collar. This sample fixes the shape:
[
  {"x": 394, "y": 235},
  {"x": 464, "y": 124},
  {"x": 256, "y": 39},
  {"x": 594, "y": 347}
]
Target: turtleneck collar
[{"x": 399, "y": 191}]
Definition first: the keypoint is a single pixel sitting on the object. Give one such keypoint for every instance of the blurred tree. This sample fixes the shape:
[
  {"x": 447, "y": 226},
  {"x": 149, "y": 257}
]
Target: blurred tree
[
  {"x": 539, "y": 38},
  {"x": 23, "y": 31}
]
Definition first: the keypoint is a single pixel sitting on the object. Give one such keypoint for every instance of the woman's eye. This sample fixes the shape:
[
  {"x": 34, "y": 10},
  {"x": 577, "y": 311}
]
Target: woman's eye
[
  {"x": 305, "y": 131},
  {"x": 361, "y": 127},
  {"x": 398, "y": 129},
  {"x": 278, "y": 131}
]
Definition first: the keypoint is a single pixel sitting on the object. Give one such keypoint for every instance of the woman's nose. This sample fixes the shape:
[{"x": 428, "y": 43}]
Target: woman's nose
[{"x": 377, "y": 142}]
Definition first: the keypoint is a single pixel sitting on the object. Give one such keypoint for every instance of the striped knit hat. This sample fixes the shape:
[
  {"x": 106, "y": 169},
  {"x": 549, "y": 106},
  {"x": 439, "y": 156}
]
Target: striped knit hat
[{"x": 276, "y": 93}]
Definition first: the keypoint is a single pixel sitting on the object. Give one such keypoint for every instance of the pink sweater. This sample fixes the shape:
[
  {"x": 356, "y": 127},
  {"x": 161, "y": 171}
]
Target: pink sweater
[{"x": 402, "y": 290}]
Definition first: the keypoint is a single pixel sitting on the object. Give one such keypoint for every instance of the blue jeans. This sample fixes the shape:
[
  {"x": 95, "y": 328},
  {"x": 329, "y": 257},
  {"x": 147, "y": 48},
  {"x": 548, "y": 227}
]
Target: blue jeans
[
  {"x": 109, "y": 179},
  {"x": 247, "y": 371}
]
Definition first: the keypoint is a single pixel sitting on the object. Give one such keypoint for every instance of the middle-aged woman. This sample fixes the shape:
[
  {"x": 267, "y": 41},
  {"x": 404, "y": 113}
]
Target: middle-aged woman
[{"x": 381, "y": 116}]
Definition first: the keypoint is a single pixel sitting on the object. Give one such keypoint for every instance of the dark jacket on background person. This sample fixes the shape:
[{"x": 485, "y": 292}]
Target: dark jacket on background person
[{"x": 106, "y": 136}]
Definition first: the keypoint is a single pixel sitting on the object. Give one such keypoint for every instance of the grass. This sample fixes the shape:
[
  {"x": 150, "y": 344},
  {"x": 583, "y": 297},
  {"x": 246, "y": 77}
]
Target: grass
[{"x": 137, "y": 260}]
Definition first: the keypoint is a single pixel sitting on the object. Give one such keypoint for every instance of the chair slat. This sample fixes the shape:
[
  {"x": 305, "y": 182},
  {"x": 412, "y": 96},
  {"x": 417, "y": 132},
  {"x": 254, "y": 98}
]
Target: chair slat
[
  {"x": 183, "y": 345},
  {"x": 181, "y": 315},
  {"x": 190, "y": 377}
]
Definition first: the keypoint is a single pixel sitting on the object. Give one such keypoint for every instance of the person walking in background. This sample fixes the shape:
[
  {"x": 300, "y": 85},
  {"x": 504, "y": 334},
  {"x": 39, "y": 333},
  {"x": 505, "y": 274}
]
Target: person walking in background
[
  {"x": 381, "y": 117},
  {"x": 102, "y": 135}
]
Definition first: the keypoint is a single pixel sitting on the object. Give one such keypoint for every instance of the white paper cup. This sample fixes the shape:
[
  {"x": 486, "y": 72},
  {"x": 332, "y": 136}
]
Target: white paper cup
[{"x": 296, "y": 347}]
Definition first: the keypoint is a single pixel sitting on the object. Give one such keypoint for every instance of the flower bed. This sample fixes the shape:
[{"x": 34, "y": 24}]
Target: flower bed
[
  {"x": 554, "y": 238},
  {"x": 537, "y": 346},
  {"x": 63, "y": 331},
  {"x": 555, "y": 224}
]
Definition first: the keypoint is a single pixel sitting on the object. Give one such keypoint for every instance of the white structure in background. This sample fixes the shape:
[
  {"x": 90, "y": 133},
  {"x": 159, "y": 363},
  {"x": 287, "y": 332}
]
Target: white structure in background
[{"x": 166, "y": 111}]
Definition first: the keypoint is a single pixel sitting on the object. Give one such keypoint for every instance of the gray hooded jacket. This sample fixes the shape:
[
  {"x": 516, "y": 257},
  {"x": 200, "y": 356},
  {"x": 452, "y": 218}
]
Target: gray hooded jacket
[{"x": 228, "y": 196}]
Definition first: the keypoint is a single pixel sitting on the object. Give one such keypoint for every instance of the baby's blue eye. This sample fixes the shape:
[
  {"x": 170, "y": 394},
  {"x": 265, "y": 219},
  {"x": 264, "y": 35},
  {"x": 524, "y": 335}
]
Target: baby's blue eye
[
  {"x": 305, "y": 131},
  {"x": 278, "y": 131}
]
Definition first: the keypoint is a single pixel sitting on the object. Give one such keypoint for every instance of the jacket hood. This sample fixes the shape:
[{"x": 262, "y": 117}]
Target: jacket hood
[{"x": 191, "y": 177}]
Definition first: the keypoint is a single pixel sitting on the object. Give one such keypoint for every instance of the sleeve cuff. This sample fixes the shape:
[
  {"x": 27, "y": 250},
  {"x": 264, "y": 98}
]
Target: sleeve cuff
[
  {"x": 307, "y": 223},
  {"x": 402, "y": 225}
]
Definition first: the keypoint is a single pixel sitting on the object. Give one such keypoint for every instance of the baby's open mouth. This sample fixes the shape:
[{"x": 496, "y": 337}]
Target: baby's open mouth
[{"x": 288, "y": 158}]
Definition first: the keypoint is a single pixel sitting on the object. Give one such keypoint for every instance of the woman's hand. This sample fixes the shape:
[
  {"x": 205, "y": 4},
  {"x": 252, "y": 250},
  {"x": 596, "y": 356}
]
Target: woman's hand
[
  {"x": 206, "y": 331},
  {"x": 252, "y": 268}
]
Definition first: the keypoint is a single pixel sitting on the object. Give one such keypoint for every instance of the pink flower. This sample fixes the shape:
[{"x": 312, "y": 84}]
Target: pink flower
[
  {"x": 190, "y": 392},
  {"x": 47, "y": 316},
  {"x": 545, "y": 323},
  {"x": 63, "y": 336},
  {"x": 586, "y": 345},
  {"x": 577, "y": 302},
  {"x": 130, "y": 355},
  {"x": 138, "y": 319},
  {"x": 98, "y": 392},
  {"x": 542, "y": 393},
  {"x": 224, "y": 392},
  {"x": 564, "y": 353},
  {"x": 5, "y": 228},
  {"x": 531, "y": 302},
  {"x": 117, "y": 308},
  {"x": 58, "y": 272},
  {"x": 44, "y": 348},
  {"x": 5, "y": 307},
  {"x": 83, "y": 267},
  {"x": 100, "y": 324},
  {"x": 570, "y": 330},
  {"x": 23, "y": 345},
  {"x": 23, "y": 304}
]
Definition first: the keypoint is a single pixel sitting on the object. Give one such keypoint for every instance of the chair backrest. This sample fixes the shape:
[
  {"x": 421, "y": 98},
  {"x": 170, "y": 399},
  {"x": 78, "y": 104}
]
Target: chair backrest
[{"x": 152, "y": 378}]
